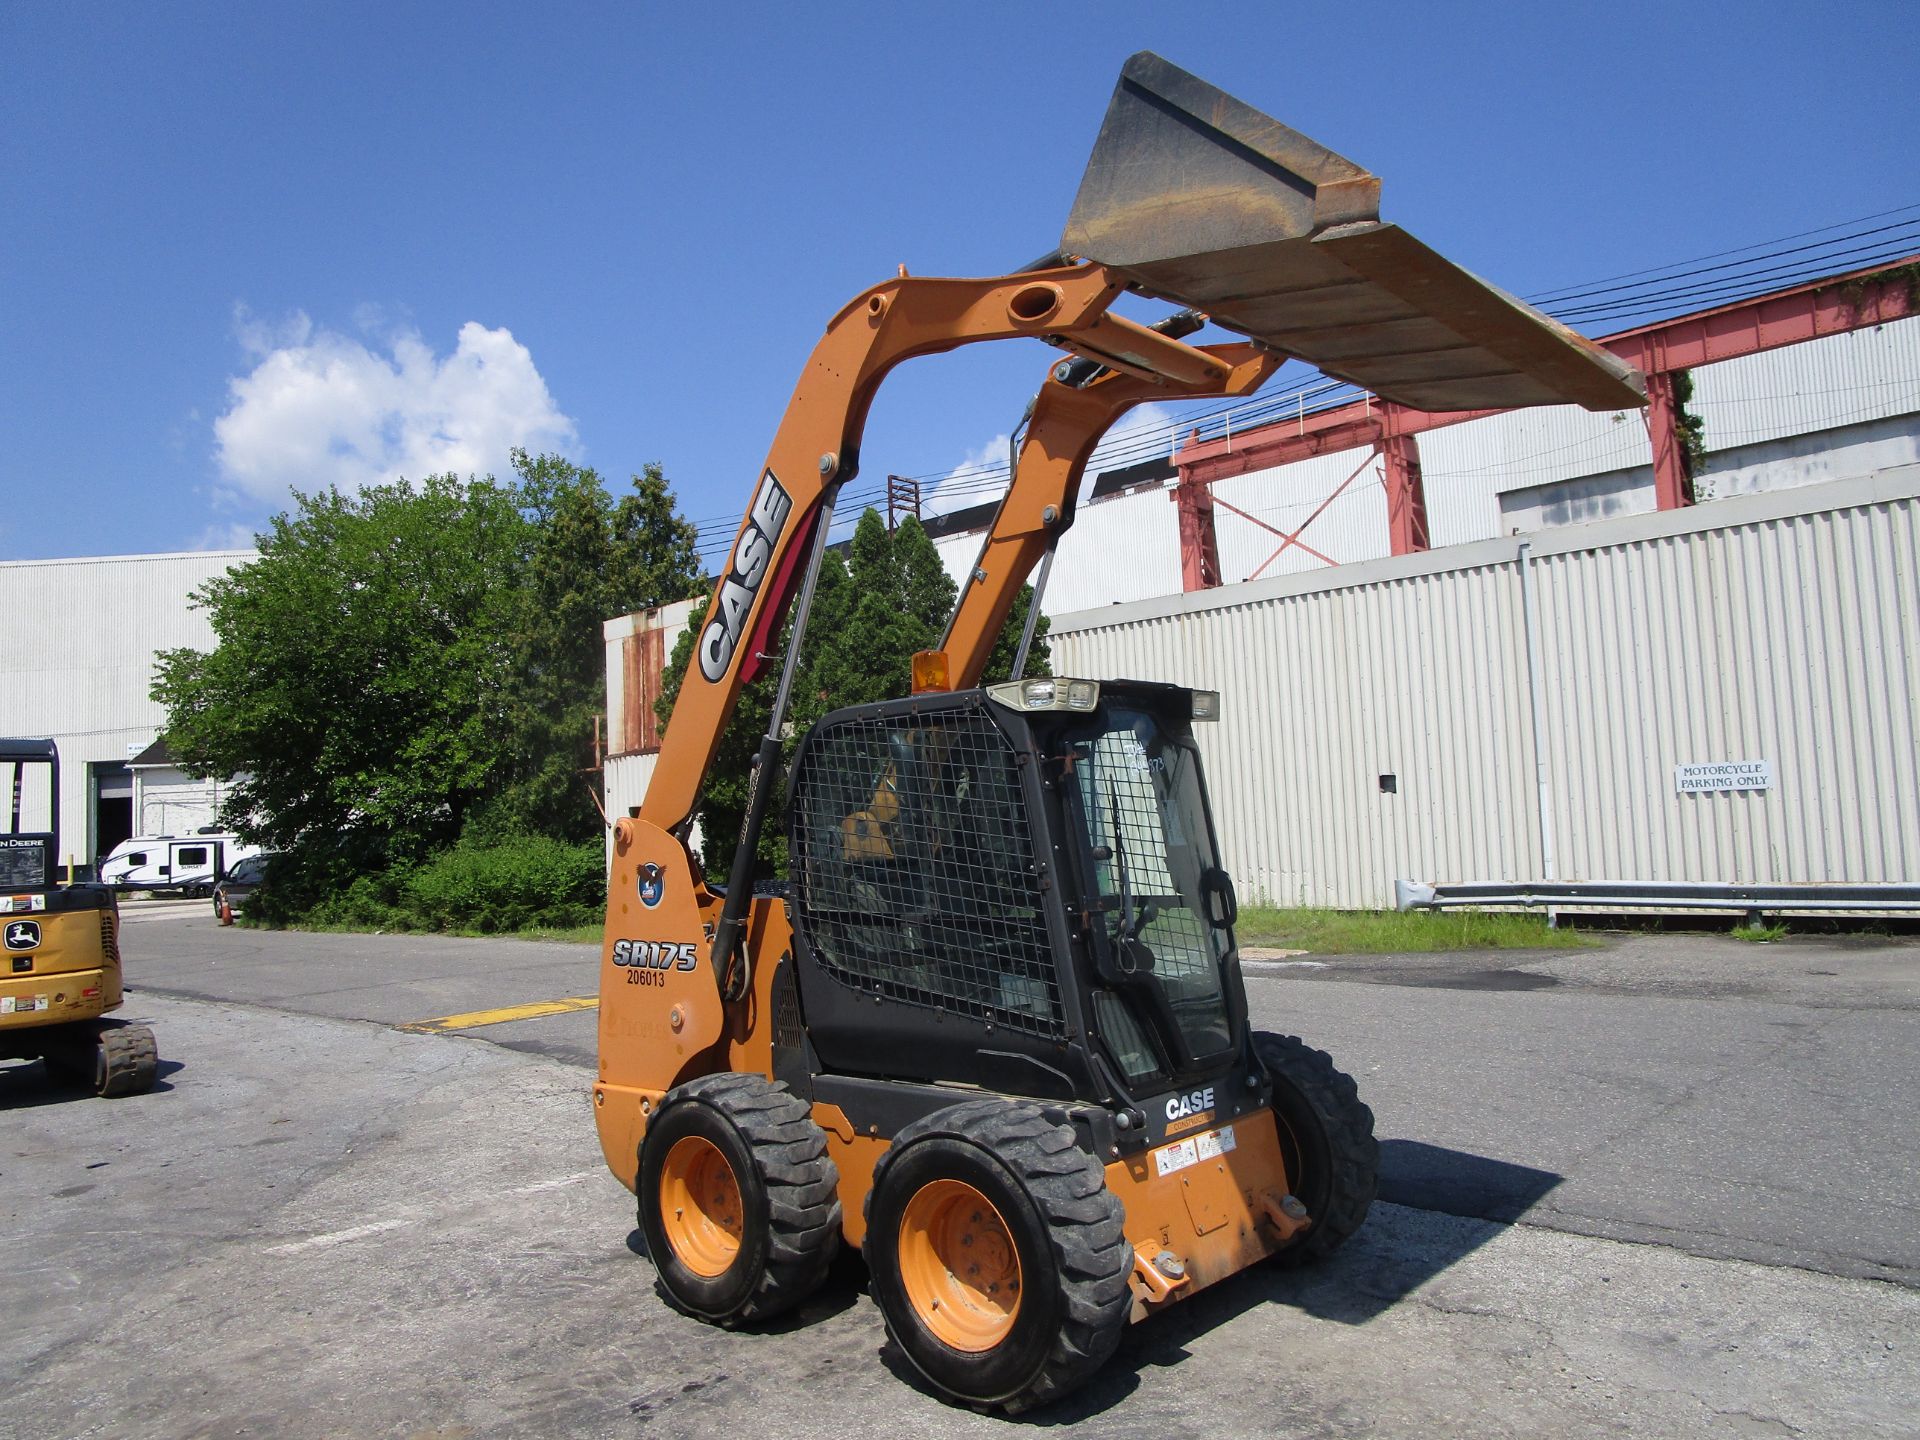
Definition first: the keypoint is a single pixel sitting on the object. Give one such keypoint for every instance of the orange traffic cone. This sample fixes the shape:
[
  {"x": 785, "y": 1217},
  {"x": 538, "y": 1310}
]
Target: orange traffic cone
[{"x": 226, "y": 911}]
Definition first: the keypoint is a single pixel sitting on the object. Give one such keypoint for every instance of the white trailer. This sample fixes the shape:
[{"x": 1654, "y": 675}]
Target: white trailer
[{"x": 189, "y": 864}]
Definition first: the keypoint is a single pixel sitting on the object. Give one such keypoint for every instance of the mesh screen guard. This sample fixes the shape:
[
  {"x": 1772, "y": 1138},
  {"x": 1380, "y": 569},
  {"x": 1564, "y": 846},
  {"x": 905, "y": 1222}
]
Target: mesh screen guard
[{"x": 913, "y": 868}]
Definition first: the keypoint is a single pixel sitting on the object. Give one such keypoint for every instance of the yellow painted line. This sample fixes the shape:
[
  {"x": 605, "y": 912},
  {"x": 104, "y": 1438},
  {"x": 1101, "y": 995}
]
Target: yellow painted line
[{"x": 474, "y": 1018}]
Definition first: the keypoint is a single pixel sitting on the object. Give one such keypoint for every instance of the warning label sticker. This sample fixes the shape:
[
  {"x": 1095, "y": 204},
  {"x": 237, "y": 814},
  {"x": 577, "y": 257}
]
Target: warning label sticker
[{"x": 1211, "y": 1146}]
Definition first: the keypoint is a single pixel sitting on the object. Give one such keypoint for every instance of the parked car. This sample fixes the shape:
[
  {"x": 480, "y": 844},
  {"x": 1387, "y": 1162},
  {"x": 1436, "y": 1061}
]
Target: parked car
[{"x": 242, "y": 880}]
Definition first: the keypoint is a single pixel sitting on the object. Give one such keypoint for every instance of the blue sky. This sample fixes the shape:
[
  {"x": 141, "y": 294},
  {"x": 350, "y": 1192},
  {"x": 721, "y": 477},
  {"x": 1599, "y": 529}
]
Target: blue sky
[{"x": 249, "y": 246}]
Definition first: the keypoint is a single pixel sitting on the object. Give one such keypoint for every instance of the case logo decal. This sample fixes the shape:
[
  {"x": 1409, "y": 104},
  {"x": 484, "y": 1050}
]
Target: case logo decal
[
  {"x": 653, "y": 884},
  {"x": 1181, "y": 1106},
  {"x": 752, "y": 557}
]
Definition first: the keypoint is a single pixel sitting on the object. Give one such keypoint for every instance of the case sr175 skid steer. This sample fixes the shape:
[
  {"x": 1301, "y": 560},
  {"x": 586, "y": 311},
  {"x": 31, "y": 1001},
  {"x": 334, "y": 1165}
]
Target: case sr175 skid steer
[{"x": 995, "y": 1033}]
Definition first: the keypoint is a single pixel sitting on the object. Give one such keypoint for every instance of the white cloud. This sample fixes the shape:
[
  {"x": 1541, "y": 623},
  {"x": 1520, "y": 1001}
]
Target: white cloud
[
  {"x": 234, "y": 536},
  {"x": 320, "y": 408}
]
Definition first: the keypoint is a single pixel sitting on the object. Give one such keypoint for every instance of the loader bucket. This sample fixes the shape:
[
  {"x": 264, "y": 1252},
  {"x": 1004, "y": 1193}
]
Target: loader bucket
[{"x": 1205, "y": 202}]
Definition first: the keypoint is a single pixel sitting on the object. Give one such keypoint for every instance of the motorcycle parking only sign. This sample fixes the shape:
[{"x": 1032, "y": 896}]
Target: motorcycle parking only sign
[{"x": 1723, "y": 775}]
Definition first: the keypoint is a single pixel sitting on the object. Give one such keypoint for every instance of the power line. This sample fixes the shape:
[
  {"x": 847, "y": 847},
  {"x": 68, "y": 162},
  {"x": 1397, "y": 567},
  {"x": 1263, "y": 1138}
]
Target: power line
[
  {"x": 1754, "y": 282},
  {"x": 1721, "y": 254},
  {"x": 1907, "y": 226}
]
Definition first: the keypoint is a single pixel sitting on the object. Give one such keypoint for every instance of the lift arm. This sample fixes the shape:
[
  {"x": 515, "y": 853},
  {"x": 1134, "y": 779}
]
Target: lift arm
[{"x": 1068, "y": 422}]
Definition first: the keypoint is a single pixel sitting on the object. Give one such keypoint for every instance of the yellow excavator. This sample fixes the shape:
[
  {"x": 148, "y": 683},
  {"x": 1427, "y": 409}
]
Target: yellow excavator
[
  {"x": 61, "y": 946},
  {"x": 993, "y": 1031}
]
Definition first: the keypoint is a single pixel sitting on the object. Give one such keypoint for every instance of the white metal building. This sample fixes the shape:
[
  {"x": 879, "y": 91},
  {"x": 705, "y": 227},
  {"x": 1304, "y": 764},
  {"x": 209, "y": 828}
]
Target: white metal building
[
  {"x": 1379, "y": 719},
  {"x": 77, "y": 646}
]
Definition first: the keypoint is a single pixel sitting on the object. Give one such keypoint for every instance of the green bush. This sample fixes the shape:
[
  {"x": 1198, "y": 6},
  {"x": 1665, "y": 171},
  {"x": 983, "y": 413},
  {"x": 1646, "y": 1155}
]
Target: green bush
[
  {"x": 512, "y": 884},
  {"x": 516, "y": 883}
]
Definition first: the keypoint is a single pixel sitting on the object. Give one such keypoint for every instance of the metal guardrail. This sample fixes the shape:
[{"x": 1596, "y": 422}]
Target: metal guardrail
[{"x": 1655, "y": 895}]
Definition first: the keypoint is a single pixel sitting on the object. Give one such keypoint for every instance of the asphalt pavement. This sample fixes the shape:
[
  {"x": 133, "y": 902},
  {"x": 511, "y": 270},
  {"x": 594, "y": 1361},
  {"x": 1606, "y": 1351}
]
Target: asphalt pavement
[
  {"x": 1735, "y": 1100},
  {"x": 323, "y": 1224}
]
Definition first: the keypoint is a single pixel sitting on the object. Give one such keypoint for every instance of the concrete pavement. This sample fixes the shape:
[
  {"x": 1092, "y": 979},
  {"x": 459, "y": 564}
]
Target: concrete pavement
[{"x": 323, "y": 1227}]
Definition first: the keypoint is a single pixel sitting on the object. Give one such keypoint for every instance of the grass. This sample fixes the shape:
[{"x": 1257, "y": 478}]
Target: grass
[
  {"x": 1390, "y": 932},
  {"x": 1761, "y": 934},
  {"x": 1324, "y": 932}
]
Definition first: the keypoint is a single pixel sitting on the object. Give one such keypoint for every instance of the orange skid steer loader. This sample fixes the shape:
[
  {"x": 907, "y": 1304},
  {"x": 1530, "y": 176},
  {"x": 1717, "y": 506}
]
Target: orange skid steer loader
[{"x": 995, "y": 1034}]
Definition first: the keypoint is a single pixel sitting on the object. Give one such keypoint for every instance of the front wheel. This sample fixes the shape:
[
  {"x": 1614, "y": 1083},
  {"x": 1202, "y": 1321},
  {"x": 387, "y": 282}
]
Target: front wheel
[
  {"x": 739, "y": 1201},
  {"x": 1326, "y": 1137},
  {"x": 998, "y": 1254}
]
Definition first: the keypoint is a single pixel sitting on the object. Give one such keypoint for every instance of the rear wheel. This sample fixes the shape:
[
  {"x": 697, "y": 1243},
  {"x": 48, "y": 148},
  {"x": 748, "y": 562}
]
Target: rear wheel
[
  {"x": 998, "y": 1254},
  {"x": 738, "y": 1200},
  {"x": 1326, "y": 1137}
]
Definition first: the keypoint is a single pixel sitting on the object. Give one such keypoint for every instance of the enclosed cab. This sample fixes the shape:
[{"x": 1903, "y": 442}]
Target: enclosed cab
[{"x": 1018, "y": 888}]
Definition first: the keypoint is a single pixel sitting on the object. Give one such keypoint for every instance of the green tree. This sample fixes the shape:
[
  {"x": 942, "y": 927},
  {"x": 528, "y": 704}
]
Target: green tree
[
  {"x": 410, "y": 664},
  {"x": 588, "y": 559},
  {"x": 359, "y": 684}
]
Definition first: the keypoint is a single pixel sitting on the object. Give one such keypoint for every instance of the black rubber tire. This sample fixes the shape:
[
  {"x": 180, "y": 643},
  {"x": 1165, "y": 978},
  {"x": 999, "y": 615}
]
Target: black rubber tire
[
  {"x": 789, "y": 1191},
  {"x": 126, "y": 1060},
  {"x": 1069, "y": 1230},
  {"x": 1326, "y": 1134}
]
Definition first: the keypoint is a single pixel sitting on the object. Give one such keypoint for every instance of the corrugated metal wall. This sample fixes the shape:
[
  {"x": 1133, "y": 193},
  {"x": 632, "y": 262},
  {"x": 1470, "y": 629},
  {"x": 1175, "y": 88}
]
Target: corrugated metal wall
[
  {"x": 1795, "y": 641},
  {"x": 1783, "y": 627},
  {"x": 77, "y": 645}
]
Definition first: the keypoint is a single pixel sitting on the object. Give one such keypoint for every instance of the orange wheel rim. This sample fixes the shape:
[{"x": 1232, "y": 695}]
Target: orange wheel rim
[
  {"x": 959, "y": 1265},
  {"x": 700, "y": 1206}
]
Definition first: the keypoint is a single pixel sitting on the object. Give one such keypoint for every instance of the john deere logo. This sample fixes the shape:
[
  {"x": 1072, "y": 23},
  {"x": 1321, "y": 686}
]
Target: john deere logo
[
  {"x": 23, "y": 935},
  {"x": 653, "y": 884}
]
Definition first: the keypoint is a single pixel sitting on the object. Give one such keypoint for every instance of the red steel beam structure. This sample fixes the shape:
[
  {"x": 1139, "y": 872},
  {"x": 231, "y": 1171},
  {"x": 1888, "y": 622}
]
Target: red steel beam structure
[{"x": 1857, "y": 300}]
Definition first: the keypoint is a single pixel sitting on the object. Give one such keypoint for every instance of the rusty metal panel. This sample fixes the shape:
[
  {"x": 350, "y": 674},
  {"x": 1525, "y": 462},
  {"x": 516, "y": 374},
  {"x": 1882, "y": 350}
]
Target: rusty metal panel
[
  {"x": 638, "y": 648},
  {"x": 642, "y": 658},
  {"x": 1202, "y": 200}
]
